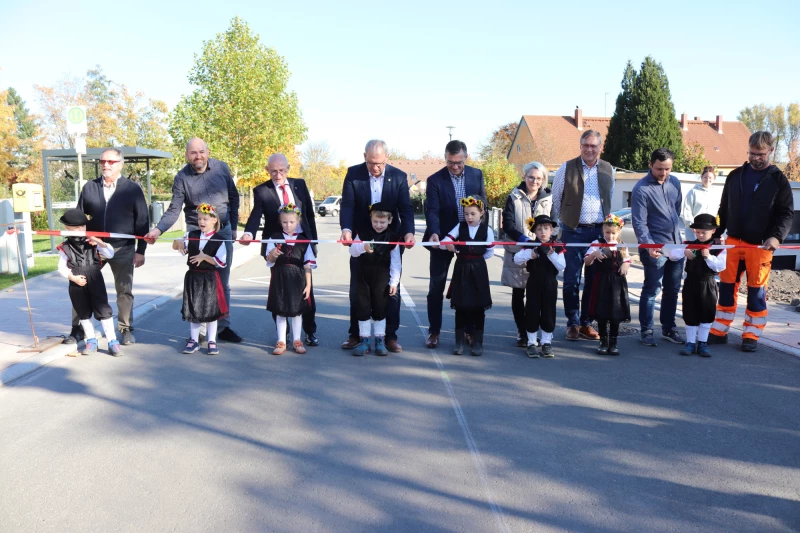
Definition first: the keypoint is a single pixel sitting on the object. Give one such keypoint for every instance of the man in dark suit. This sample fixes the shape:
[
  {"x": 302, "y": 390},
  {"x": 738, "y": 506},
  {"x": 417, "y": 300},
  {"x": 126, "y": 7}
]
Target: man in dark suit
[
  {"x": 443, "y": 212},
  {"x": 267, "y": 199},
  {"x": 365, "y": 184}
]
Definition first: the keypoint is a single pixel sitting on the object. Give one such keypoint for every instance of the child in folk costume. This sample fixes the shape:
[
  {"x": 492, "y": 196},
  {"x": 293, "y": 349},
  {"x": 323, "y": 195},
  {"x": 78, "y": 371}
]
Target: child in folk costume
[
  {"x": 290, "y": 267},
  {"x": 379, "y": 276},
  {"x": 80, "y": 260},
  {"x": 543, "y": 264},
  {"x": 700, "y": 286},
  {"x": 203, "y": 294},
  {"x": 469, "y": 292},
  {"x": 608, "y": 302}
]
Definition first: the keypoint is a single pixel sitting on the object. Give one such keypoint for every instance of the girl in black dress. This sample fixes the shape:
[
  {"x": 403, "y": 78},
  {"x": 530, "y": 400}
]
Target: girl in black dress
[
  {"x": 469, "y": 292},
  {"x": 290, "y": 266},
  {"x": 608, "y": 303},
  {"x": 203, "y": 294}
]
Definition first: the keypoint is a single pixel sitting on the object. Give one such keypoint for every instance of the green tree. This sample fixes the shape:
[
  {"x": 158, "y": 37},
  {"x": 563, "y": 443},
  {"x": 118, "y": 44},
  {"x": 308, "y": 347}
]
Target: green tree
[
  {"x": 27, "y": 153},
  {"x": 499, "y": 178},
  {"x": 241, "y": 106},
  {"x": 693, "y": 159},
  {"x": 756, "y": 118},
  {"x": 619, "y": 138},
  {"x": 9, "y": 140},
  {"x": 499, "y": 142}
]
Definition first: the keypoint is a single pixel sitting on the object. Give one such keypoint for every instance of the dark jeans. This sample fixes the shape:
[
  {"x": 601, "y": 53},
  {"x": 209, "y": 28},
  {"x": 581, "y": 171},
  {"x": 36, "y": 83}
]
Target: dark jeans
[
  {"x": 439, "y": 265},
  {"x": 122, "y": 269},
  {"x": 392, "y": 312},
  {"x": 656, "y": 270},
  {"x": 574, "y": 311},
  {"x": 518, "y": 309},
  {"x": 225, "y": 274}
]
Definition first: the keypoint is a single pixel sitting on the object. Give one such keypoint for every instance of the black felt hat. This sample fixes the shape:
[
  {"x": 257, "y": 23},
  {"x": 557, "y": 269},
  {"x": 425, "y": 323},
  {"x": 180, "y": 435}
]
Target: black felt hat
[
  {"x": 74, "y": 217},
  {"x": 380, "y": 206},
  {"x": 704, "y": 221},
  {"x": 543, "y": 219}
]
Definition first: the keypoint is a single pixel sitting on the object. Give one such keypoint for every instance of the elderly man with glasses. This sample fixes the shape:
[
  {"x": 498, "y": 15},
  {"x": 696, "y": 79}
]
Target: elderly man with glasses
[
  {"x": 582, "y": 192},
  {"x": 116, "y": 204},
  {"x": 443, "y": 211}
]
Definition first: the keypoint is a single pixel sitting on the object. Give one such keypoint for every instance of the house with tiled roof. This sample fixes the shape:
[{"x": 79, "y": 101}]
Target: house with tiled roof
[
  {"x": 418, "y": 171},
  {"x": 552, "y": 140}
]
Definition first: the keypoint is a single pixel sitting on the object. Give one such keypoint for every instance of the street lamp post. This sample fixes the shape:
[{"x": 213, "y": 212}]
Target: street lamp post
[{"x": 451, "y": 128}]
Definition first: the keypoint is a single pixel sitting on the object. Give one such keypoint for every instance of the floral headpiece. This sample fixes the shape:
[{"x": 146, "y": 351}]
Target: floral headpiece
[
  {"x": 471, "y": 200},
  {"x": 530, "y": 222},
  {"x": 613, "y": 220},
  {"x": 207, "y": 209},
  {"x": 290, "y": 208}
]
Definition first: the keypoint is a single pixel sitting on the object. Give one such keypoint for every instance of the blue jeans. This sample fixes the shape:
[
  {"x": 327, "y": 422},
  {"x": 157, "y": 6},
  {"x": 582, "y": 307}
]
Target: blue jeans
[
  {"x": 656, "y": 271},
  {"x": 573, "y": 271},
  {"x": 225, "y": 274}
]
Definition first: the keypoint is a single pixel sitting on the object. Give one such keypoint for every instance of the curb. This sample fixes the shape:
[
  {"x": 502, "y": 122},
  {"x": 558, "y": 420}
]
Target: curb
[{"x": 35, "y": 362}]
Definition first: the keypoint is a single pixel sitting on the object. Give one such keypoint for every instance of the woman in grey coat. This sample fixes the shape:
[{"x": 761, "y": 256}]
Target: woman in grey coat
[{"x": 529, "y": 199}]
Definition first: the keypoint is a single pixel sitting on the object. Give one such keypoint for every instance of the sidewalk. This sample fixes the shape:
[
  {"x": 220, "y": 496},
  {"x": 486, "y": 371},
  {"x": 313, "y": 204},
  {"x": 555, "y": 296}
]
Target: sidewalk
[{"x": 157, "y": 282}]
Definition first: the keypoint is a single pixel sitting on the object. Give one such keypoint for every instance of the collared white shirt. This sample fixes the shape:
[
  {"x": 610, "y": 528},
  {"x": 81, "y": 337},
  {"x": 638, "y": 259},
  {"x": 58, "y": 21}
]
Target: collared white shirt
[
  {"x": 280, "y": 190},
  {"x": 222, "y": 252},
  {"x": 461, "y": 192},
  {"x": 309, "y": 259},
  {"x": 454, "y": 236},
  {"x": 109, "y": 189},
  {"x": 376, "y": 187}
]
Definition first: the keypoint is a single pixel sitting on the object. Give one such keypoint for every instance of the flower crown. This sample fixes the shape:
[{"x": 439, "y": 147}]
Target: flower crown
[
  {"x": 613, "y": 220},
  {"x": 206, "y": 209},
  {"x": 290, "y": 208},
  {"x": 471, "y": 200}
]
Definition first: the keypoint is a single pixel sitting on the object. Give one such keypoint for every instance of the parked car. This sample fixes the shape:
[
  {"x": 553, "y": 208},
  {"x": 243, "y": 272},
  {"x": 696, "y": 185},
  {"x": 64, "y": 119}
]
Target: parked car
[{"x": 330, "y": 206}]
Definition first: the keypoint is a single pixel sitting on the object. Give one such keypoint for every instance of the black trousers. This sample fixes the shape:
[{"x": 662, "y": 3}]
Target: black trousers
[
  {"x": 392, "y": 310},
  {"x": 604, "y": 326},
  {"x": 92, "y": 298},
  {"x": 540, "y": 308},
  {"x": 310, "y": 316},
  {"x": 518, "y": 309},
  {"x": 372, "y": 293},
  {"x": 470, "y": 319}
]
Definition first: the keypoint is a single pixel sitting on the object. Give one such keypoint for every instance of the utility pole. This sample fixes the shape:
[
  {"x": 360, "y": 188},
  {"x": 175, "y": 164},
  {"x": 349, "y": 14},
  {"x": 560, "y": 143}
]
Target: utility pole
[
  {"x": 605, "y": 105},
  {"x": 451, "y": 128}
]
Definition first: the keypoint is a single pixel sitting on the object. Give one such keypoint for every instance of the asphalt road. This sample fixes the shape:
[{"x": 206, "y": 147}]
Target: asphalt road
[{"x": 419, "y": 441}]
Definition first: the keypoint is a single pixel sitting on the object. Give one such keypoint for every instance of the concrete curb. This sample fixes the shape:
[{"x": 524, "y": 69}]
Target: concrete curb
[{"x": 35, "y": 362}]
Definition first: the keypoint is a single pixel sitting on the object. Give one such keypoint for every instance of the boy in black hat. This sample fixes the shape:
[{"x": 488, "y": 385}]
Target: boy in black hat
[
  {"x": 80, "y": 259},
  {"x": 700, "y": 286},
  {"x": 379, "y": 276},
  {"x": 543, "y": 263}
]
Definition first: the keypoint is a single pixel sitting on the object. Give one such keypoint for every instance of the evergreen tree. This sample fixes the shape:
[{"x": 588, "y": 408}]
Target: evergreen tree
[
  {"x": 26, "y": 132},
  {"x": 619, "y": 133}
]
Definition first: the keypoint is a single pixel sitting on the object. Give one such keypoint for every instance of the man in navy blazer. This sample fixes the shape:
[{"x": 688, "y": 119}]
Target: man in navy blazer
[
  {"x": 443, "y": 212},
  {"x": 267, "y": 199},
  {"x": 365, "y": 184}
]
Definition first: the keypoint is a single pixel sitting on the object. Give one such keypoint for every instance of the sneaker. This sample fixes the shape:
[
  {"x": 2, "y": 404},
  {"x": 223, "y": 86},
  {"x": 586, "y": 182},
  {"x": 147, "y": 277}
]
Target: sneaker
[
  {"x": 90, "y": 348},
  {"x": 547, "y": 351},
  {"x": 717, "y": 339},
  {"x": 191, "y": 346},
  {"x": 522, "y": 340},
  {"x": 648, "y": 339},
  {"x": 362, "y": 348},
  {"x": 673, "y": 336},
  {"x": 532, "y": 351},
  {"x": 228, "y": 335},
  {"x": 114, "y": 348},
  {"x": 212, "y": 348},
  {"x": 127, "y": 337},
  {"x": 280, "y": 347},
  {"x": 298, "y": 347},
  {"x": 380, "y": 347},
  {"x": 689, "y": 348},
  {"x": 702, "y": 349},
  {"x": 75, "y": 336},
  {"x": 603, "y": 348},
  {"x": 312, "y": 340},
  {"x": 749, "y": 345}
]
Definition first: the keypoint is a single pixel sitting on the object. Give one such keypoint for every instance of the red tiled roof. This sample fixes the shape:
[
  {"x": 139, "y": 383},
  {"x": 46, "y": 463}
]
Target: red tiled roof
[
  {"x": 562, "y": 134},
  {"x": 726, "y": 149},
  {"x": 418, "y": 169}
]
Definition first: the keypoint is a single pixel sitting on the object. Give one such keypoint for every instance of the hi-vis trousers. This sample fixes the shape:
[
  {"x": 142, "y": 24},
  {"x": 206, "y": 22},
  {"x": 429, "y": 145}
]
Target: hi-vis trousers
[{"x": 757, "y": 262}]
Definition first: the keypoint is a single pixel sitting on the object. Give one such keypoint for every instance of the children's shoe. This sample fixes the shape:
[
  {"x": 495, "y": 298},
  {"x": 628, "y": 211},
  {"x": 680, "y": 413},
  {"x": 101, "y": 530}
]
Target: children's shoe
[
  {"x": 298, "y": 347},
  {"x": 114, "y": 348},
  {"x": 458, "y": 349},
  {"x": 380, "y": 347},
  {"x": 212, "y": 348},
  {"x": 362, "y": 348},
  {"x": 532, "y": 351},
  {"x": 477, "y": 343},
  {"x": 191, "y": 346},
  {"x": 689, "y": 348},
  {"x": 547, "y": 351},
  {"x": 612, "y": 346},
  {"x": 702, "y": 349},
  {"x": 280, "y": 347},
  {"x": 522, "y": 340},
  {"x": 603, "y": 348},
  {"x": 90, "y": 348}
]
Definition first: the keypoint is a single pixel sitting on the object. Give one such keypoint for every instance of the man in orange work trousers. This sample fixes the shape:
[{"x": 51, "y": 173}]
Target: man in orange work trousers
[{"x": 756, "y": 209}]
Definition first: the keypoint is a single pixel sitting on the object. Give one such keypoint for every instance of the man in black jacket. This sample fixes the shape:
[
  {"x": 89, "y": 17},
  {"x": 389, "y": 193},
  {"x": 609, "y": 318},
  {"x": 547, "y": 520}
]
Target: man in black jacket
[
  {"x": 267, "y": 199},
  {"x": 116, "y": 204},
  {"x": 756, "y": 208}
]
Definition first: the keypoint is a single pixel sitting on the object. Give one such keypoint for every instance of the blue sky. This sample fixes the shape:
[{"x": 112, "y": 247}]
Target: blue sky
[{"x": 403, "y": 71}]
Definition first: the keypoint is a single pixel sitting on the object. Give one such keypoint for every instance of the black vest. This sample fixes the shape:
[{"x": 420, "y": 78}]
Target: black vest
[
  {"x": 211, "y": 248},
  {"x": 542, "y": 265},
  {"x": 697, "y": 267},
  {"x": 381, "y": 253},
  {"x": 293, "y": 253},
  {"x": 80, "y": 255},
  {"x": 472, "y": 249},
  {"x": 613, "y": 259}
]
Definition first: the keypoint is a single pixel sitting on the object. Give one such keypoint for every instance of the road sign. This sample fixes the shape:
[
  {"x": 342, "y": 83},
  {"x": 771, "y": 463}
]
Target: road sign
[
  {"x": 76, "y": 119},
  {"x": 80, "y": 145}
]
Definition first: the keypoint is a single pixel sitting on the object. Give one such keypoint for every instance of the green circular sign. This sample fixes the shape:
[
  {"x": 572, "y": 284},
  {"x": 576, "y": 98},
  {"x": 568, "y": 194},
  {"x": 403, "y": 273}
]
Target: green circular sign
[{"x": 76, "y": 115}]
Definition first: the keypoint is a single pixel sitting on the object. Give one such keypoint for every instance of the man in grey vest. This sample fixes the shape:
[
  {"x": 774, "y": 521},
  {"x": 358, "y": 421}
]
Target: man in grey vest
[{"x": 582, "y": 191}]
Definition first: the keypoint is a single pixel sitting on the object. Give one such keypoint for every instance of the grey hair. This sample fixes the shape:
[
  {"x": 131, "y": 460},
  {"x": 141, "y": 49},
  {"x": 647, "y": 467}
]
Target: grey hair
[
  {"x": 376, "y": 144},
  {"x": 116, "y": 151},
  {"x": 535, "y": 165},
  {"x": 592, "y": 133}
]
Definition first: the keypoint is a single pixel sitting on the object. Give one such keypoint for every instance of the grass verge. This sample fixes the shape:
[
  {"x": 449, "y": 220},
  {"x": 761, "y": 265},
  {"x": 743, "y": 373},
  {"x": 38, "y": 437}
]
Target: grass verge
[{"x": 42, "y": 265}]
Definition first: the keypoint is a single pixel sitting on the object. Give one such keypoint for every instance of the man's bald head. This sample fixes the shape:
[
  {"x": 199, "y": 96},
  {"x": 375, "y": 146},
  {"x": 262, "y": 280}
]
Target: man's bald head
[
  {"x": 197, "y": 154},
  {"x": 278, "y": 168}
]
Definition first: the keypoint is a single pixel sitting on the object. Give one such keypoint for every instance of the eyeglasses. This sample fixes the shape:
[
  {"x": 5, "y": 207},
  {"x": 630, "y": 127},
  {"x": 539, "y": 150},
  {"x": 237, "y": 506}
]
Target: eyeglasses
[
  {"x": 376, "y": 164},
  {"x": 455, "y": 163},
  {"x": 109, "y": 161},
  {"x": 534, "y": 178},
  {"x": 753, "y": 154},
  {"x": 590, "y": 146},
  {"x": 275, "y": 172}
]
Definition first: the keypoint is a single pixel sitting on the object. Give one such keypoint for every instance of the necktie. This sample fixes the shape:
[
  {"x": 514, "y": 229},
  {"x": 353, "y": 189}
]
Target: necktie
[{"x": 285, "y": 195}]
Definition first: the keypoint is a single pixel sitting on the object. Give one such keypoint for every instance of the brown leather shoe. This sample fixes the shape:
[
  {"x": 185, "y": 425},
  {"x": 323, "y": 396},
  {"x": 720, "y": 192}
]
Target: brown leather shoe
[
  {"x": 393, "y": 346},
  {"x": 432, "y": 340},
  {"x": 573, "y": 333},
  {"x": 588, "y": 332},
  {"x": 351, "y": 343}
]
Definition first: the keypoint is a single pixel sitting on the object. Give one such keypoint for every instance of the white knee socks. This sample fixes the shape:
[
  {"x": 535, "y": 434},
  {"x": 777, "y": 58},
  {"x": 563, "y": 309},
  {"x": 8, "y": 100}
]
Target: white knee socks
[
  {"x": 547, "y": 338},
  {"x": 108, "y": 329},
  {"x": 702, "y": 332},
  {"x": 283, "y": 322},
  {"x": 194, "y": 330},
  {"x": 280, "y": 322},
  {"x": 691, "y": 334},
  {"x": 297, "y": 327},
  {"x": 211, "y": 331},
  {"x": 380, "y": 327},
  {"x": 532, "y": 340},
  {"x": 365, "y": 328}
]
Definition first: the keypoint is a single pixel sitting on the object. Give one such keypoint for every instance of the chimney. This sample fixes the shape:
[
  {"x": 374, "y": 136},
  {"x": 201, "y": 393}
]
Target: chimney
[
  {"x": 719, "y": 124},
  {"x": 579, "y": 118},
  {"x": 685, "y": 122},
  {"x": 697, "y": 118}
]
